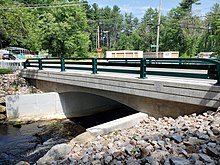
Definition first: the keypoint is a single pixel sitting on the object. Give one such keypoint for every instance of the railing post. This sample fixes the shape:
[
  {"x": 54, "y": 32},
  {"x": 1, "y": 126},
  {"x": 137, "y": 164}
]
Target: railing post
[
  {"x": 40, "y": 64},
  {"x": 94, "y": 66},
  {"x": 218, "y": 74},
  {"x": 62, "y": 63},
  {"x": 25, "y": 64},
  {"x": 143, "y": 68}
]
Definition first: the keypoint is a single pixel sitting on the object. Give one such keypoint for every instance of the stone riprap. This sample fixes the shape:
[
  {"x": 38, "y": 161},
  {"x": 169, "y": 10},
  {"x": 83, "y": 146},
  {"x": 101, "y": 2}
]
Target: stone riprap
[
  {"x": 13, "y": 84},
  {"x": 193, "y": 139}
]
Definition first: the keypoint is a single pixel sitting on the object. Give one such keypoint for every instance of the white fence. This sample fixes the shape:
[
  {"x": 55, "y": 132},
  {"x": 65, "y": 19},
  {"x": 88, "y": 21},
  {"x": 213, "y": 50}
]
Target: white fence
[{"x": 12, "y": 64}]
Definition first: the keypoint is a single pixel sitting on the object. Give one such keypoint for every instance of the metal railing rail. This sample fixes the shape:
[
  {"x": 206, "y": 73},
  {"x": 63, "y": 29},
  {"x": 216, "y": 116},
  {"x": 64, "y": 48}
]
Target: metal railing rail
[
  {"x": 135, "y": 66},
  {"x": 11, "y": 64}
]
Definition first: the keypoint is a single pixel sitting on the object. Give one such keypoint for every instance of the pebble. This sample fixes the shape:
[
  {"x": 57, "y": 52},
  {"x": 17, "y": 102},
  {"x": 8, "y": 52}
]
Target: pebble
[
  {"x": 108, "y": 159},
  {"x": 185, "y": 145},
  {"x": 212, "y": 152},
  {"x": 14, "y": 84},
  {"x": 2, "y": 117},
  {"x": 23, "y": 163},
  {"x": 156, "y": 141},
  {"x": 179, "y": 161},
  {"x": 177, "y": 138},
  {"x": 2, "y": 109},
  {"x": 205, "y": 158},
  {"x": 186, "y": 139}
]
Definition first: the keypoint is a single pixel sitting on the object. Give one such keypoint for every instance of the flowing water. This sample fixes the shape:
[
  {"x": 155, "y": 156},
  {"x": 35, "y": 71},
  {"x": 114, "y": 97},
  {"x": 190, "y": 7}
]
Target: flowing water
[{"x": 24, "y": 144}]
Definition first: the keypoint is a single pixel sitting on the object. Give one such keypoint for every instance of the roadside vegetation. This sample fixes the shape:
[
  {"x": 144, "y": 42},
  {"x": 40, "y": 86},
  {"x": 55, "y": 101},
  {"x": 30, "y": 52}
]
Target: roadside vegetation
[
  {"x": 5, "y": 71},
  {"x": 69, "y": 28}
]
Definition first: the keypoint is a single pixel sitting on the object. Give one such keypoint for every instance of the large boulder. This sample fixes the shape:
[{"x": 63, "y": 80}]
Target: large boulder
[
  {"x": 2, "y": 109},
  {"x": 57, "y": 152},
  {"x": 2, "y": 117},
  {"x": 82, "y": 138},
  {"x": 23, "y": 163},
  {"x": 2, "y": 100},
  {"x": 216, "y": 121}
]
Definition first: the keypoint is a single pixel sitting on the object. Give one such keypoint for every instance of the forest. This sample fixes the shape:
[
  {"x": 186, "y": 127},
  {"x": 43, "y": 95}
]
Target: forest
[{"x": 70, "y": 28}]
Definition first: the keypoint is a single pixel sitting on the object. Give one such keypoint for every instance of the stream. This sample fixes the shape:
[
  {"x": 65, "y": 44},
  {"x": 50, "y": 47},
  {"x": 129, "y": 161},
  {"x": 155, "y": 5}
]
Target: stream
[
  {"x": 22, "y": 144},
  {"x": 32, "y": 141}
]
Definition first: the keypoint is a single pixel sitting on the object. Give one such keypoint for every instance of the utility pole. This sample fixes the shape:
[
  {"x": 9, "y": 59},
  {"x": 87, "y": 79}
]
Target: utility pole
[
  {"x": 98, "y": 34},
  {"x": 107, "y": 38},
  {"x": 158, "y": 28}
]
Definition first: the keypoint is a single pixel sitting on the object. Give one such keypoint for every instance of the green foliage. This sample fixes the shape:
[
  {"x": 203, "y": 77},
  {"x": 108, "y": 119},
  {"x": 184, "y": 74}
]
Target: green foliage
[
  {"x": 186, "y": 5},
  {"x": 147, "y": 30},
  {"x": 70, "y": 28},
  {"x": 5, "y": 71},
  {"x": 218, "y": 39},
  {"x": 61, "y": 30},
  {"x": 64, "y": 31},
  {"x": 185, "y": 55}
]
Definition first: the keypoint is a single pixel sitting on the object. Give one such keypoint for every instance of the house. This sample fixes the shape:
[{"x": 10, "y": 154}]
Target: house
[
  {"x": 124, "y": 54},
  {"x": 166, "y": 54}
]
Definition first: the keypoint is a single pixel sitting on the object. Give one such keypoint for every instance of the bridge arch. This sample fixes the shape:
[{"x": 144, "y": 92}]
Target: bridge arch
[
  {"x": 154, "y": 107},
  {"x": 78, "y": 103}
]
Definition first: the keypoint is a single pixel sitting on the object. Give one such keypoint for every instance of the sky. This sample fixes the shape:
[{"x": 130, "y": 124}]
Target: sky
[{"x": 139, "y": 7}]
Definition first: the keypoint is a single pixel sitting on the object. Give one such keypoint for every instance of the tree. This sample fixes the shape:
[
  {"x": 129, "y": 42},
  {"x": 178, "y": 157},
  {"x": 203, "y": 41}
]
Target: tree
[
  {"x": 64, "y": 31},
  {"x": 147, "y": 29},
  {"x": 19, "y": 27},
  {"x": 186, "y": 5},
  {"x": 60, "y": 29},
  {"x": 69, "y": 28},
  {"x": 210, "y": 39},
  {"x": 181, "y": 30}
]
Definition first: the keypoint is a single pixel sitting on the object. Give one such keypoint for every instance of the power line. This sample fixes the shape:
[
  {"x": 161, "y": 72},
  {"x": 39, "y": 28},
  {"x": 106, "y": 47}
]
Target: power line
[{"x": 39, "y": 6}]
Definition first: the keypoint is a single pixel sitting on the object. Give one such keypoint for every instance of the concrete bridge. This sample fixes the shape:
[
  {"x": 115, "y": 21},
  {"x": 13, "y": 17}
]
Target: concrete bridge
[{"x": 156, "y": 96}]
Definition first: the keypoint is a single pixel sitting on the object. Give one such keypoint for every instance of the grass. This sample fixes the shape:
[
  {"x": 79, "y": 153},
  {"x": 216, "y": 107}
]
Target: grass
[{"x": 5, "y": 71}]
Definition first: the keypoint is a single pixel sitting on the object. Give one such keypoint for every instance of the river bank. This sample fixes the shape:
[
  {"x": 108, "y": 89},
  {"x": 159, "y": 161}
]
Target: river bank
[
  {"x": 15, "y": 138},
  {"x": 189, "y": 139},
  {"x": 192, "y": 139},
  {"x": 31, "y": 141},
  {"x": 13, "y": 84},
  {"x": 28, "y": 141}
]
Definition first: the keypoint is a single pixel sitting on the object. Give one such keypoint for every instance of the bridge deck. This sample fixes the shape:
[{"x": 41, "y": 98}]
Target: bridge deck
[{"x": 194, "y": 81}]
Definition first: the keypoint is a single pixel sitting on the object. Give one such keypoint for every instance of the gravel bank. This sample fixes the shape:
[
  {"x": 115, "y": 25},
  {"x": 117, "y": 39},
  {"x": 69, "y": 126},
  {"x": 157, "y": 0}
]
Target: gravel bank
[{"x": 193, "y": 139}]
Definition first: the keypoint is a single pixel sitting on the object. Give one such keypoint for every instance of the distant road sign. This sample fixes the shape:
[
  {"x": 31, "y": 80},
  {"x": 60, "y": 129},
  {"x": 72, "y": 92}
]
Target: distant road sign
[
  {"x": 153, "y": 46},
  {"x": 99, "y": 50}
]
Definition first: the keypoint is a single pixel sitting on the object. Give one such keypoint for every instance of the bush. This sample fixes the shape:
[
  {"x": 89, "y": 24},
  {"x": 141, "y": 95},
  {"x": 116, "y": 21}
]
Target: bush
[
  {"x": 184, "y": 55},
  {"x": 5, "y": 71},
  {"x": 95, "y": 54}
]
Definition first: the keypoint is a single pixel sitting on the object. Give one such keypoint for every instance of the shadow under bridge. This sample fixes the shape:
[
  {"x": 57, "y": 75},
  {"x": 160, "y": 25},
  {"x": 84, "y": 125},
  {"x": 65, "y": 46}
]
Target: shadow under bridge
[{"x": 78, "y": 104}]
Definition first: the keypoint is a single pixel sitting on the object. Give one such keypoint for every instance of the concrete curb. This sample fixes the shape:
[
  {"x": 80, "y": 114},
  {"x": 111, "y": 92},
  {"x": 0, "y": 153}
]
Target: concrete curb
[{"x": 117, "y": 124}]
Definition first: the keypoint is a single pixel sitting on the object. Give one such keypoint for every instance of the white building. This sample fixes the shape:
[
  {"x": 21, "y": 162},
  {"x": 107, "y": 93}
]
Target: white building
[
  {"x": 166, "y": 54},
  {"x": 124, "y": 54}
]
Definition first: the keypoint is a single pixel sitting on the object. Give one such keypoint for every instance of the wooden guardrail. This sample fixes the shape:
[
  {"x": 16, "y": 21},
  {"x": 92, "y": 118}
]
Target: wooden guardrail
[{"x": 135, "y": 66}]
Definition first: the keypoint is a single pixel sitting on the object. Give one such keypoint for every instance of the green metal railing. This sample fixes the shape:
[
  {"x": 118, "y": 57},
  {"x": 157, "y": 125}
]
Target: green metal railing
[{"x": 135, "y": 66}]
